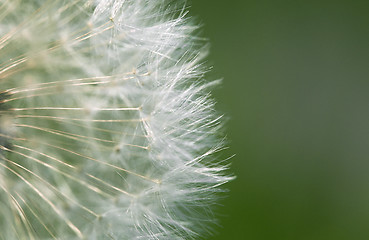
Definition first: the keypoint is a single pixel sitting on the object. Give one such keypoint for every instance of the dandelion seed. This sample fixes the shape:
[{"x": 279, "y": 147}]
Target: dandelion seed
[{"x": 106, "y": 127}]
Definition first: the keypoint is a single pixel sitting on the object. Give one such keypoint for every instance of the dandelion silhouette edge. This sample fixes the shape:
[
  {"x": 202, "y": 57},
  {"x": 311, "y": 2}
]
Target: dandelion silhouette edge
[{"x": 107, "y": 128}]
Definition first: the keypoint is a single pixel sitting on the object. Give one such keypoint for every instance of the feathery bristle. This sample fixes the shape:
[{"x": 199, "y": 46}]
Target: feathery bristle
[{"x": 107, "y": 130}]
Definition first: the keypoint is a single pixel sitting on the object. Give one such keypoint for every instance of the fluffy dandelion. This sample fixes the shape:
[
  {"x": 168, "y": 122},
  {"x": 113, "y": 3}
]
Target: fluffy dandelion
[{"x": 107, "y": 130}]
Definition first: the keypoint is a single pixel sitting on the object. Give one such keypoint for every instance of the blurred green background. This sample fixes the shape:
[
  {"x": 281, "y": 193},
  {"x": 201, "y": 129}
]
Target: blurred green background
[{"x": 296, "y": 87}]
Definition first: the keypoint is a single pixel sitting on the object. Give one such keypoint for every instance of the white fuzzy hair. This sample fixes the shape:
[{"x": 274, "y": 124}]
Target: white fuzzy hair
[{"x": 107, "y": 128}]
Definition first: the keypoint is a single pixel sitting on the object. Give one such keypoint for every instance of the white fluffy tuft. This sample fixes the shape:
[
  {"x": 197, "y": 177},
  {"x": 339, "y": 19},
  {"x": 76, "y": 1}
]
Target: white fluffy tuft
[{"x": 107, "y": 130}]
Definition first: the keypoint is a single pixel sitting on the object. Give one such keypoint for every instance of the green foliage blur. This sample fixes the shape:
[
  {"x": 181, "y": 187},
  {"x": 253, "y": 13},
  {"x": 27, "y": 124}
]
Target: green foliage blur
[{"x": 296, "y": 86}]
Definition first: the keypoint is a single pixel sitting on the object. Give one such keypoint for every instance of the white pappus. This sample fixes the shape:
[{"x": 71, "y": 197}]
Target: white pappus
[{"x": 107, "y": 128}]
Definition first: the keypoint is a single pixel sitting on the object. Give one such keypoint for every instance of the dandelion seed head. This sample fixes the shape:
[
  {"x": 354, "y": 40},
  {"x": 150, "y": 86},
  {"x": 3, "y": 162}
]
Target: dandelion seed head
[{"x": 107, "y": 128}]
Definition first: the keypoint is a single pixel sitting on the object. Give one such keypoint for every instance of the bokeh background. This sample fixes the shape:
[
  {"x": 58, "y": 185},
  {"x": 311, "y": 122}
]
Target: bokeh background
[{"x": 296, "y": 81}]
